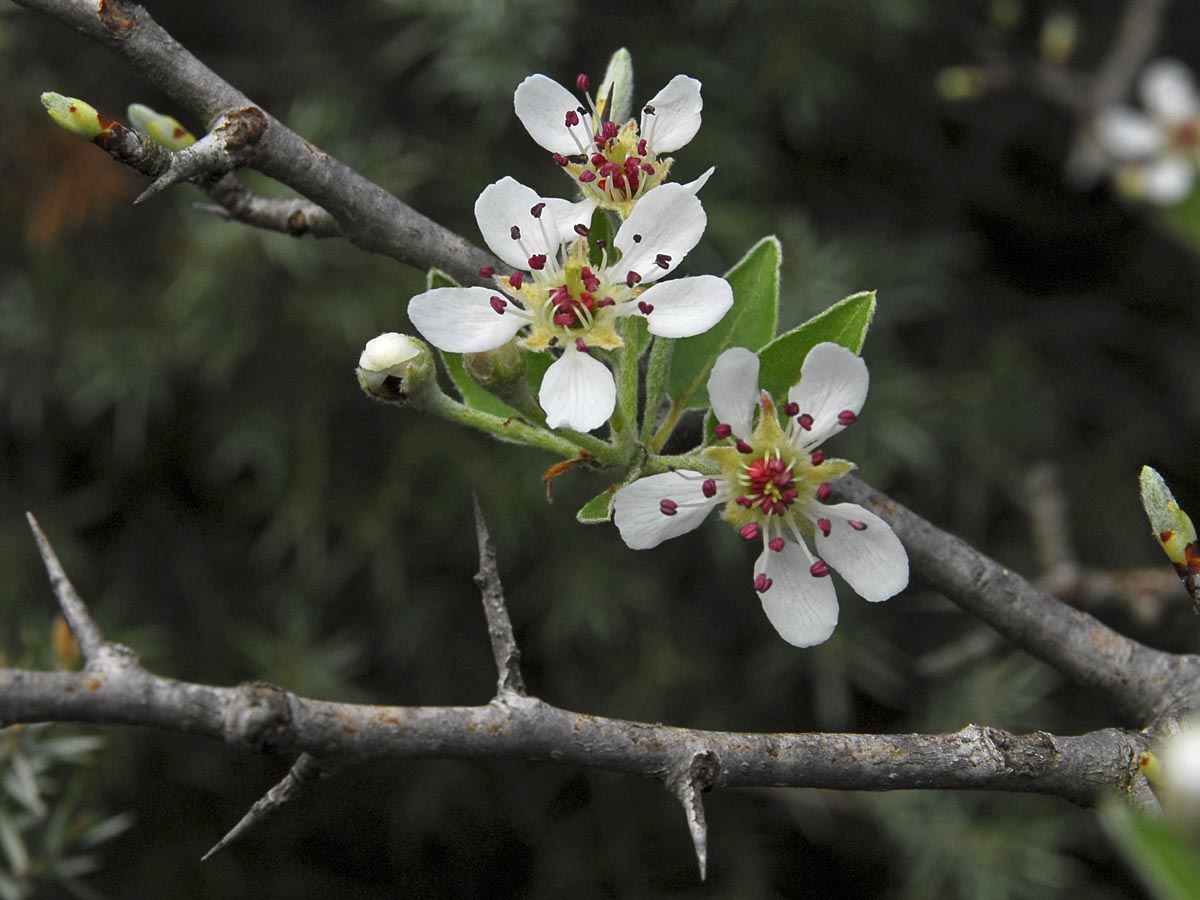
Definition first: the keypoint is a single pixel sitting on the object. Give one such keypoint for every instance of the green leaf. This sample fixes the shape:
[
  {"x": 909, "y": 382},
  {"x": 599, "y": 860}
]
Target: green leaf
[
  {"x": 538, "y": 364},
  {"x": 750, "y": 323},
  {"x": 600, "y": 230},
  {"x": 1157, "y": 850},
  {"x": 845, "y": 323},
  {"x": 472, "y": 394},
  {"x": 599, "y": 509}
]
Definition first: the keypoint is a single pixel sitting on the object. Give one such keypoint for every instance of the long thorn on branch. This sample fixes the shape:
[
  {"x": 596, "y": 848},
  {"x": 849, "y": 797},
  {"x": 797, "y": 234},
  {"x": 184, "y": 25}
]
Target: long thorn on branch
[
  {"x": 500, "y": 633},
  {"x": 87, "y": 633},
  {"x": 688, "y": 784},
  {"x": 303, "y": 772}
]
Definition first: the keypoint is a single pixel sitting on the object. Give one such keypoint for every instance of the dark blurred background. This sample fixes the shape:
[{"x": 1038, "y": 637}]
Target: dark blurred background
[{"x": 179, "y": 408}]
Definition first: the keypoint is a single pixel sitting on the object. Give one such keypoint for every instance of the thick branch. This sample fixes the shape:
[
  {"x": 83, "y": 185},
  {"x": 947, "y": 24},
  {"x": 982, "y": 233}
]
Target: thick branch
[
  {"x": 1141, "y": 681},
  {"x": 366, "y": 214},
  {"x": 264, "y": 718}
]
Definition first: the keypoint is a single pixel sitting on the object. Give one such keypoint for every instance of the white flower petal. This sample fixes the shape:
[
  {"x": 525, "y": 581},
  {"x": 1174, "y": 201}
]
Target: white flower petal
[
  {"x": 637, "y": 508},
  {"x": 832, "y": 380},
  {"x": 687, "y": 306},
  {"x": 462, "y": 320},
  {"x": 694, "y": 186},
  {"x": 542, "y": 105},
  {"x": 577, "y": 392},
  {"x": 733, "y": 389},
  {"x": 1125, "y": 134},
  {"x": 568, "y": 215},
  {"x": 1167, "y": 180},
  {"x": 666, "y": 222},
  {"x": 676, "y": 116},
  {"x": 1168, "y": 91},
  {"x": 508, "y": 204},
  {"x": 872, "y": 560},
  {"x": 802, "y": 607},
  {"x": 388, "y": 353}
]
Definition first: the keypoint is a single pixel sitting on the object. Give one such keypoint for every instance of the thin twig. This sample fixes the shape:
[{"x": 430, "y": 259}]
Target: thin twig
[{"x": 500, "y": 633}]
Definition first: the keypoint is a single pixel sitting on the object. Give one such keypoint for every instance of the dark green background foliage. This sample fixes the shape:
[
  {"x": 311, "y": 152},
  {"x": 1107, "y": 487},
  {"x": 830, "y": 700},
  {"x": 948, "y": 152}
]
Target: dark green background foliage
[{"x": 178, "y": 406}]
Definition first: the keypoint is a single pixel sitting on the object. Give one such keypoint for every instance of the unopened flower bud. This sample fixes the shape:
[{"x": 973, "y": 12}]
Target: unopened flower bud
[
  {"x": 1173, "y": 770},
  {"x": 618, "y": 81},
  {"x": 392, "y": 366},
  {"x": 497, "y": 370},
  {"x": 74, "y": 115},
  {"x": 161, "y": 128}
]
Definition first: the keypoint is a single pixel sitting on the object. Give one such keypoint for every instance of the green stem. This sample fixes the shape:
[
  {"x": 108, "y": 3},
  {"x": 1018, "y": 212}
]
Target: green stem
[
  {"x": 517, "y": 430},
  {"x": 625, "y": 419},
  {"x": 664, "y": 430},
  {"x": 657, "y": 372},
  {"x": 692, "y": 461}
]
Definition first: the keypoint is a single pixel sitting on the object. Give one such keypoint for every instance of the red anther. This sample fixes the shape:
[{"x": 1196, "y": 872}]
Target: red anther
[
  {"x": 564, "y": 318},
  {"x": 846, "y": 417},
  {"x": 590, "y": 281},
  {"x": 537, "y": 261},
  {"x": 646, "y": 308},
  {"x": 581, "y": 345},
  {"x": 607, "y": 301},
  {"x": 587, "y": 300},
  {"x": 582, "y": 83},
  {"x": 825, "y": 525},
  {"x": 514, "y": 233},
  {"x": 609, "y": 168},
  {"x": 648, "y": 109},
  {"x": 609, "y": 130},
  {"x": 743, "y": 447},
  {"x": 722, "y": 430},
  {"x": 572, "y": 118},
  {"x": 744, "y": 501},
  {"x": 856, "y": 525},
  {"x": 601, "y": 244},
  {"x": 581, "y": 230},
  {"x": 587, "y": 175},
  {"x": 630, "y": 166},
  {"x": 762, "y": 583},
  {"x": 791, "y": 409},
  {"x": 749, "y": 531},
  {"x": 818, "y": 457},
  {"x": 599, "y": 159},
  {"x": 819, "y": 569},
  {"x": 632, "y": 278},
  {"x": 515, "y": 279},
  {"x": 559, "y": 159},
  {"x": 486, "y": 271},
  {"x": 776, "y": 544},
  {"x": 618, "y": 181},
  {"x": 536, "y": 209},
  {"x": 775, "y": 464},
  {"x": 805, "y": 421},
  {"x": 668, "y": 507},
  {"x": 498, "y": 304},
  {"x": 662, "y": 261},
  {"x": 824, "y": 492},
  {"x": 641, "y": 147},
  {"x": 647, "y": 168},
  {"x": 709, "y": 488}
]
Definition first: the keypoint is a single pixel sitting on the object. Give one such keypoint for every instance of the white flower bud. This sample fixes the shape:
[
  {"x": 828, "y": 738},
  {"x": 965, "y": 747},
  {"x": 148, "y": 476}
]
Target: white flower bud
[{"x": 393, "y": 365}]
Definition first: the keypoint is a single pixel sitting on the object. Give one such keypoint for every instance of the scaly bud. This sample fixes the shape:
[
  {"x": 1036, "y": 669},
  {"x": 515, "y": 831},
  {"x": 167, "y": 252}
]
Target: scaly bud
[
  {"x": 74, "y": 115},
  {"x": 393, "y": 366},
  {"x": 1173, "y": 529},
  {"x": 161, "y": 128},
  {"x": 617, "y": 84}
]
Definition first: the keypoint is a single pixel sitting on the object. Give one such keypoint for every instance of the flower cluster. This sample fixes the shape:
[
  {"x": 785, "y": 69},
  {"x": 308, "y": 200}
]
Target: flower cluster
[
  {"x": 563, "y": 296},
  {"x": 1155, "y": 153},
  {"x": 774, "y": 485}
]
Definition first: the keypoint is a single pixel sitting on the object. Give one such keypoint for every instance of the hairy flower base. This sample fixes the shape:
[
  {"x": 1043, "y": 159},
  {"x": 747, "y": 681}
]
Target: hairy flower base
[{"x": 774, "y": 485}]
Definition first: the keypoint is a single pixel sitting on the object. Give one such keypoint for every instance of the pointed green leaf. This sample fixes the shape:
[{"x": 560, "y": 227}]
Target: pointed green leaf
[
  {"x": 845, "y": 323},
  {"x": 599, "y": 509},
  {"x": 600, "y": 236},
  {"x": 1159, "y": 852},
  {"x": 750, "y": 323},
  {"x": 472, "y": 394}
]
